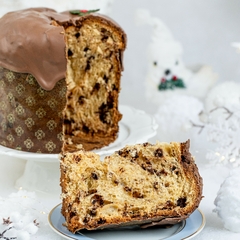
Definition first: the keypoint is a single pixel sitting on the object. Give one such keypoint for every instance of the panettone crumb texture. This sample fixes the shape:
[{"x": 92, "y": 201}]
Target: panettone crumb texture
[{"x": 93, "y": 77}]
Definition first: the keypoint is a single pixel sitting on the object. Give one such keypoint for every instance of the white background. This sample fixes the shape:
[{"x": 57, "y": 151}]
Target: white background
[{"x": 205, "y": 29}]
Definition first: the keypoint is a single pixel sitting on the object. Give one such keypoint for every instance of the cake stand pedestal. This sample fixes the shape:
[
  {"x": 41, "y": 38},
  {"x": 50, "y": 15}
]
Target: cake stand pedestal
[
  {"x": 43, "y": 177},
  {"x": 42, "y": 171}
]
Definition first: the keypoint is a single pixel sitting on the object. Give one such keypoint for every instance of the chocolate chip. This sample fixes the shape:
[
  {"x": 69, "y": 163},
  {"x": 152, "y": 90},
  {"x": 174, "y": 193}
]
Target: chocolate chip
[
  {"x": 136, "y": 155},
  {"x": 103, "y": 113},
  {"x": 169, "y": 204},
  {"x": 105, "y": 33},
  {"x": 69, "y": 96},
  {"x": 85, "y": 129},
  {"x": 86, "y": 219},
  {"x": 116, "y": 182},
  {"x": 97, "y": 86},
  {"x": 97, "y": 200},
  {"x": 105, "y": 78},
  {"x": 127, "y": 189},
  {"x": 184, "y": 159},
  {"x": 110, "y": 101},
  {"x": 88, "y": 64},
  {"x": 81, "y": 100},
  {"x": 144, "y": 167},
  {"x": 158, "y": 152},
  {"x": 146, "y": 144},
  {"x": 137, "y": 194},
  {"x": 92, "y": 212},
  {"x": 91, "y": 191},
  {"x": 101, "y": 221},
  {"x": 110, "y": 55},
  {"x": 104, "y": 109},
  {"x": 104, "y": 38},
  {"x": 103, "y": 30},
  {"x": 77, "y": 159},
  {"x": 69, "y": 206},
  {"x": 68, "y": 121},
  {"x": 70, "y": 53},
  {"x": 94, "y": 176},
  {"x": 77, "y": 35},
  {"x": 123, "y": 153},
  {"x": 88, "y": 67},
  {"x": 173, "y": 168},
  {"x": 85, "y": 49},
  {"x": 181, "y": 202},
  {"x": 114, "y": 88},
  {"x": 162, "y": 172},
  {"x": 148, "y": 168},
  {"x": 121, "y": 170},
  {"x": 72, "y": 214}
]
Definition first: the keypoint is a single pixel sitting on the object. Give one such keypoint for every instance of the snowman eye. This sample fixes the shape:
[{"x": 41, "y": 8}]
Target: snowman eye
[
  {"x": 176, "y": 63},
  {"x": 155, "y": 63}
]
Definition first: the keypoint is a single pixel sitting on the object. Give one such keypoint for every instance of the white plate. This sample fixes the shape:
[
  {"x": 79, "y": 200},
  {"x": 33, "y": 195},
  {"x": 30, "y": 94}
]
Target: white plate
[
  {"x": 184, "y": 230},
  {"x": 135, "y": 127}
]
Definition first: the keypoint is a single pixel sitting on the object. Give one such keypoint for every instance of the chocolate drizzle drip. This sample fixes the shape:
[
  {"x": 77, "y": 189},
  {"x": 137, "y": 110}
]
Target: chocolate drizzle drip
[{"x": 32, "y": 41}]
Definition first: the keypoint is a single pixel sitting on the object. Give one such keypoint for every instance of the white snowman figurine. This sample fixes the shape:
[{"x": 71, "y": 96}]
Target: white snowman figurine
[
  {"x": 105, "y": 6},
  {"x": 167, "y": 75},
  {"x": 227, "y": 201}
]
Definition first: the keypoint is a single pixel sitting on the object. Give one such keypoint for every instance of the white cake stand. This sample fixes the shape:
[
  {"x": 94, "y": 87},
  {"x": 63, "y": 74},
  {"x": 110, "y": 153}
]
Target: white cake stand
[{"x": 42, "y": 171}]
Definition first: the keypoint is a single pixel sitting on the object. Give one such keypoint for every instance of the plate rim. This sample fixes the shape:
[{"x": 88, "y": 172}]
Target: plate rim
[
  {"x": 57, "y": 230},
  {"x": 199, "y": 229}
]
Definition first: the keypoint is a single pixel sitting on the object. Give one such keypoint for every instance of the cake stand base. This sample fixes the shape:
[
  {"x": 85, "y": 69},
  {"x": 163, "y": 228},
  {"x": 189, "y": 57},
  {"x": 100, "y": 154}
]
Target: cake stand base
[{"x": 42, "y": 177}]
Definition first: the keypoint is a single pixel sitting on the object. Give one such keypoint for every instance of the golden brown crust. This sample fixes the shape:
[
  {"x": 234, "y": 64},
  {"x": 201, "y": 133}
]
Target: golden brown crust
[
  {"x": 143, "y": 184},
  {"x": 191, "y": 170}
]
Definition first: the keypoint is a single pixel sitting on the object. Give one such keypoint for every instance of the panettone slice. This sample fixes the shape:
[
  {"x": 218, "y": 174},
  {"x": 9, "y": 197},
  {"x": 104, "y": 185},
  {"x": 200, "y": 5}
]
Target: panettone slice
[{"x": 140, "y": 184}]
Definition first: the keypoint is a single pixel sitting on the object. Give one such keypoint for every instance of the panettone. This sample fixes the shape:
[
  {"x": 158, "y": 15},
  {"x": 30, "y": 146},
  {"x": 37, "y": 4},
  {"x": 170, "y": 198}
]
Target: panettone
[
  {"x": 141, "y": 184},
  {"x": 59, "y": 75}
]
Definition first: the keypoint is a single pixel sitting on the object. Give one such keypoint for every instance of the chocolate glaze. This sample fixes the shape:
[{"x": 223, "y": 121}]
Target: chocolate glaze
[{"x": 30, "y": 42}]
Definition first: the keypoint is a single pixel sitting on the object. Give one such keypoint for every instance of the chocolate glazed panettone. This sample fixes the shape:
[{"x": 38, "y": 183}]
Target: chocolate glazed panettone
[{"x": 59, "y": 73}]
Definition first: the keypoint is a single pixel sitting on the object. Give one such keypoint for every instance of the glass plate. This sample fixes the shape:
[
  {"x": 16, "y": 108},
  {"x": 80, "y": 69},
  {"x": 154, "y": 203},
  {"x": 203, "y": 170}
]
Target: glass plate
[
  {"x": 136, "y": 126},
  {"x": 183, "y": 230}
]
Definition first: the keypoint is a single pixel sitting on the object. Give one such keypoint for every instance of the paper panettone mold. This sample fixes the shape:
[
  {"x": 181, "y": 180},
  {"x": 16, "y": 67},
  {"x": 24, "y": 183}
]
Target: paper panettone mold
[{"x": 23, "y": 126}]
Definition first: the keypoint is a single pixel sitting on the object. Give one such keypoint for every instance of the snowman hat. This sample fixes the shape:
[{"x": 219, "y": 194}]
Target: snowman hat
[{"x": 161, "y": 36}]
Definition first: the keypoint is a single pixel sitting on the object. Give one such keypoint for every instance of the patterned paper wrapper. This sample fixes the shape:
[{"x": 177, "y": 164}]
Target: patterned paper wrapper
[{"x": 30, "y": 117}]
